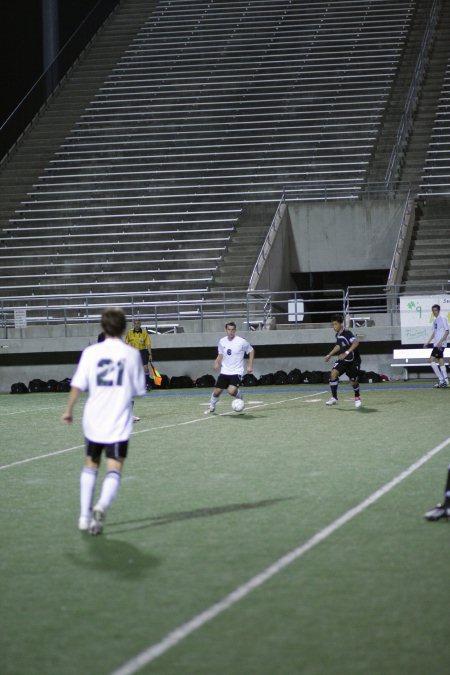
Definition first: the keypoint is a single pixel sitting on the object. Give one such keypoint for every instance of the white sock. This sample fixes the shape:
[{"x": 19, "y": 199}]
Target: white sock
[
  {"x": 437, "y": 371},
  {"x": 110, "y": 488},
  {"x": 88, "y": 478},
  {"x": 443, "y": 370},
  {"x": 239, "y": 395},
  {"x": 213, "y": 400}
]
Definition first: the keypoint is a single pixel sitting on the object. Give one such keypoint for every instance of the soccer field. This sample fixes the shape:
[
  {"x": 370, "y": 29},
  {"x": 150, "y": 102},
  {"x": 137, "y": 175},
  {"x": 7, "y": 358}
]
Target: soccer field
[{"x": 192, "y": 574}]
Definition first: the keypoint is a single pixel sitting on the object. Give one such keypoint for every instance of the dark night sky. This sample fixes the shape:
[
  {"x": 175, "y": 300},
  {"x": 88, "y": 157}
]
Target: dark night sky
[
  {"x": 21, "y": 37},
  {"x": 21, "y": 63}
]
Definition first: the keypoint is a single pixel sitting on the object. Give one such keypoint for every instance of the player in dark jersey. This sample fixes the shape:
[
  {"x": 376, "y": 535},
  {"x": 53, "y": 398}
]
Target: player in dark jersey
[{"x": 348, "y": 360}]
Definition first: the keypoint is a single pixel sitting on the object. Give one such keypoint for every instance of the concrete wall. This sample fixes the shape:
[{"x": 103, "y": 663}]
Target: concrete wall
[
  {"x": 194, "y": 369},
  {"x": 34, "y": 356},
  {"x": 344, "y": 235}
]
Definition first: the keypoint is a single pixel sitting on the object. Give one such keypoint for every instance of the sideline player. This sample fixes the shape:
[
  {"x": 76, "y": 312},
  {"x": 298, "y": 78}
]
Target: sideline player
[
  {"x": 348, "y": 360},
  {"x": 230, "y": 361},
  {"x": 138, "y": 338},
  {"x": 112, "y": 373},
  {"x": 438, "y": 339}
]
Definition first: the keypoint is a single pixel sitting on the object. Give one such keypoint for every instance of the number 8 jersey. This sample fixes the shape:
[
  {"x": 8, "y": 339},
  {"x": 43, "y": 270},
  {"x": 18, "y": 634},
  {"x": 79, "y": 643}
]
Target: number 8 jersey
[{"x": 112, "y": 373}]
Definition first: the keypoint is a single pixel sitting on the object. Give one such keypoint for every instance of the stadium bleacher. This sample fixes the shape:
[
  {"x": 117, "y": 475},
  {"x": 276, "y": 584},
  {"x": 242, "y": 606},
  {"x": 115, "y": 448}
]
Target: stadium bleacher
[
  {"x": 436, "y": 177},
  {"x": 429, "y": 259},
  {"x": 210, "y": 107}
]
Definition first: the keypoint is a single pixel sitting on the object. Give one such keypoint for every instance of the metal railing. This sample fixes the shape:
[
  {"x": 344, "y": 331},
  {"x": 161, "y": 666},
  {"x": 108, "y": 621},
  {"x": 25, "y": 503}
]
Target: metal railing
[
  {"x": 375, "y": 300},
  {"x": 403, "y": 240},
  {"x": 315, "y": 190},
  {"x": 267, "y": 245},
  {"x": 187, "y": 310},
  {"x": 199, "y": 312}
]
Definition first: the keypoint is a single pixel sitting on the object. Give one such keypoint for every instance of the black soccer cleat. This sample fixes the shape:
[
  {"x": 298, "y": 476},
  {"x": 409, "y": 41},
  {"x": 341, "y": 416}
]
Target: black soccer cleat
[{"x": 437, "y": 513}]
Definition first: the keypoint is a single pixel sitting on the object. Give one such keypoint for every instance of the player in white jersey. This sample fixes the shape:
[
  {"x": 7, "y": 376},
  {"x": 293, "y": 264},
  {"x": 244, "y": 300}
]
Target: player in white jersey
[
  {"x": 438, "y": 339},
  {"x": 230, "y": 360},
  {"x": 112, "y": 373}
]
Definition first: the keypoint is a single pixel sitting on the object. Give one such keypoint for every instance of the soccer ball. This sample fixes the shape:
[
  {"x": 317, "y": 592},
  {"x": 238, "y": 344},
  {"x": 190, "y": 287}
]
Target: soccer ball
[{"x": 238, "y": 405}]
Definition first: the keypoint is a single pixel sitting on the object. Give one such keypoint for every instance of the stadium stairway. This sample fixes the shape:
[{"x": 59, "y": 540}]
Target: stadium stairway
[
  {"x": 209, "y": 107},
  {"x": 428, "y": 258},
  {"x": 428, "y": 105},
  {"x": 236, "y": 265},
  {"x": 396, "y": 102}
]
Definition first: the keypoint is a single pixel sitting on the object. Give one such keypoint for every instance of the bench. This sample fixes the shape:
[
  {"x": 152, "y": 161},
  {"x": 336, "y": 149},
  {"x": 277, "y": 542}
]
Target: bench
[
  {"x": 413, "y": 358},
  {"x": 359, "y": 321},
  {"x": 163, "y": 328},
  {"x": 253, "y": 324}
]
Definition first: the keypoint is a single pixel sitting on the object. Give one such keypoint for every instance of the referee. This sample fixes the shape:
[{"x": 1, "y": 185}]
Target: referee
[{"x": 138, "y": 338}]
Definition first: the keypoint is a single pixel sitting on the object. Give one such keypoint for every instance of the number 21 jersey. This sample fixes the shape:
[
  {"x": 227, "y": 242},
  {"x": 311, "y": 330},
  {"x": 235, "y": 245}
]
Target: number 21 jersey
[{"x": 112, "y": 373}]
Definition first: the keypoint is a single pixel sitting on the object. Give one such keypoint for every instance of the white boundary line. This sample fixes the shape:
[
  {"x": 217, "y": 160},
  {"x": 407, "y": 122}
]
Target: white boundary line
[
  {"x": 31, "y": 410},
  {"x": 160, "y": 428},
  {"x": 174, "y": 637},
  {"x": 34, "y": 459}
]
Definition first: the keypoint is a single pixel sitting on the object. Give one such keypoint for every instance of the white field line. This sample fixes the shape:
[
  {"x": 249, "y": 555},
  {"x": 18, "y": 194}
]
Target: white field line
[
  {"x": 183, "y": 631},
  {"x": 144, "y": 431},
  {"x": 34, "y": 459},
  {"x": 32, "y": 410}
]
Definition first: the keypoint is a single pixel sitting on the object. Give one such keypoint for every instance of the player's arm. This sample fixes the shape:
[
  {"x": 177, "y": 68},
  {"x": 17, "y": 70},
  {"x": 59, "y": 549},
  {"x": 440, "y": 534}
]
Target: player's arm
[
  {"x": 443, "y": 339},
  {"x": 218, "y": 362},
  {"x": 67, "y": 416},
  {"x": 430, "y": 340},
  {"x": 336, "y": 349},
  {"x": 354, "y": 345},
  {"x": 251, "y": 358}
]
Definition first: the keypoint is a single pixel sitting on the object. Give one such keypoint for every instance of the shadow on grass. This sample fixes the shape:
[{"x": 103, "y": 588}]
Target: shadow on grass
[
  {"x": 177, "y": 516},
  {"x": 113, "y": 557},
  {"x": 361, "y": 411},
  {"x": 246, "y": 416}
]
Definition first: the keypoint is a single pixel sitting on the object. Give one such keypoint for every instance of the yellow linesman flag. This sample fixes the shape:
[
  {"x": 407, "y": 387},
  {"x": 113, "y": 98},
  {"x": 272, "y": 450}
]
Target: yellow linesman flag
[{"x": 157, "y": 379}]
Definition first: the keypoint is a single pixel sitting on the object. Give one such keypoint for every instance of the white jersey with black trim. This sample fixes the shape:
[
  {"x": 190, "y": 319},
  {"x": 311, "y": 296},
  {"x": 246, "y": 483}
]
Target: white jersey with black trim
[
  {"x": 112, "y": 373},
  {"x": 233, "y": 352},
  {"x": 440, "y": 327}
]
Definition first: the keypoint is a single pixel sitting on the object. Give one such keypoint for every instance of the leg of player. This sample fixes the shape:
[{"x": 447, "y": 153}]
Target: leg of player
[
  {"x": 443, "y": 370},
  {"x": 148, "y": 379},
  {"x": 436, "y": 371},
  {"x": 334, "y": 382},
  {"x": 110, "y": 488},
  {"x": 213, "y": 401},
  {"x": 135, "y": 418},
  {"x": 234, "y": 392},
  {"x": 88, "y": 479},
  {"x": 441, "y": 510},
  {"x": 355, "y": 385}
]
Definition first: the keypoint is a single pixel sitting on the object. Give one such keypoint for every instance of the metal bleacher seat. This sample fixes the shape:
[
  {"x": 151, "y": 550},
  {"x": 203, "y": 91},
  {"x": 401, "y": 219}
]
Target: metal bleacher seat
[
  {"x": 211, "y": 106},
  {"x": 436, "y": 175}
]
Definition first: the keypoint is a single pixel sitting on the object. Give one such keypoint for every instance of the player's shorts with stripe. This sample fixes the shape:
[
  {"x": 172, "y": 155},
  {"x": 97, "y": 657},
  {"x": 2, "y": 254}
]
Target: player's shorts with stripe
[
  {"x": 117, "y": 450},
  {"x": 350, "y": 369},
  {"x": 437, "y": 352},
  {"x": 224, "y": 381}
]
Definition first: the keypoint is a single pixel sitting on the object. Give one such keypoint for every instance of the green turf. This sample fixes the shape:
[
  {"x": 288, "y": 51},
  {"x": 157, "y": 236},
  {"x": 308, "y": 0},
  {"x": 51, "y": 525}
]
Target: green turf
[{"x": 205, "y": 506}]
